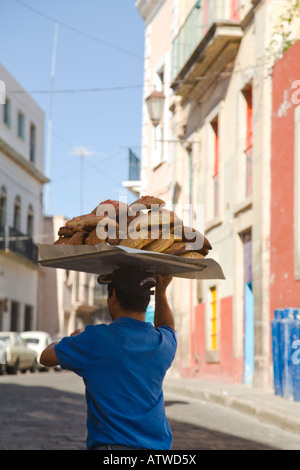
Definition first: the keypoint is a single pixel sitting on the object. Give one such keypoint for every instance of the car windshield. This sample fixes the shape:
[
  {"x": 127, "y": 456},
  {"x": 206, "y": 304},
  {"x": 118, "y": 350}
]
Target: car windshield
[{"x": 31, "y": 340}]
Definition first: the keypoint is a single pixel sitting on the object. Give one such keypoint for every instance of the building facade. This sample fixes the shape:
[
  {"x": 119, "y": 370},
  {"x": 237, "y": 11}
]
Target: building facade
[
  {"x": 21, "y": 219},
  {"x": 285, "y": 171},
  {"x": 211, "y": 151}
]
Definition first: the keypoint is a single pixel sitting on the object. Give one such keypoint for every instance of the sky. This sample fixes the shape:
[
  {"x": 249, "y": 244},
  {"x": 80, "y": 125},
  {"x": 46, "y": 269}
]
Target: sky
[{"x": 97, "y": 90}]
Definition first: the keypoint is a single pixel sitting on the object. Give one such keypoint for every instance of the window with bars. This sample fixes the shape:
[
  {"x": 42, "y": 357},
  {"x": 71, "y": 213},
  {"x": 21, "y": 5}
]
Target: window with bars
[
  {"x": 7, "y": 113},
  {"x": 216, "y": 176},
  {"x": 3, "y": 202},
  {"x": 21, "y": 125},
  {"x": 32, "y": 143},
  {"x": 17, "y": 214},
  {"x": 235, "y": 9},
  {"x": 249, "y": 139},
  {"x": 213, "y": 330}
]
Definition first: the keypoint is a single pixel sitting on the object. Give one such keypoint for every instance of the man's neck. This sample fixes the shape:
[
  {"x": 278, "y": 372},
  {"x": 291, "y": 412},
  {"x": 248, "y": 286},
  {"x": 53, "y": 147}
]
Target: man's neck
[{"x": 128, "y": 313}]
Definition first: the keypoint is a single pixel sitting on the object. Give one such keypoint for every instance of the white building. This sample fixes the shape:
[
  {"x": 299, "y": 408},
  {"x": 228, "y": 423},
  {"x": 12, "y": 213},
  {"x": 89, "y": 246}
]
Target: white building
[
  {"x": 70, "y": 299},
  {"x": 21, "y": 220}
]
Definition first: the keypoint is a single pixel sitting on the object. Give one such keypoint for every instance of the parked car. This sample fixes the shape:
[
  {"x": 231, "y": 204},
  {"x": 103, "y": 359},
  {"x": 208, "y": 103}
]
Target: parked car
[
  {"x": 37, "y": 341},
  {"x": 18, "y": 355}
]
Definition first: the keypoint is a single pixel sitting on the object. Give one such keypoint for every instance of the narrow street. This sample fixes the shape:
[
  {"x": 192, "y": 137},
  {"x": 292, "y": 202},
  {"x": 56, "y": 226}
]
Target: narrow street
[{"x": 46, "y": 411}]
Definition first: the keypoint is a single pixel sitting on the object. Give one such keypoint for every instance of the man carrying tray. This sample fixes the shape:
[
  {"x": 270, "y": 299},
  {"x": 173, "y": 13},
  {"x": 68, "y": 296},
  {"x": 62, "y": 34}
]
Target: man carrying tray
[{"x": 123, "y": 364}]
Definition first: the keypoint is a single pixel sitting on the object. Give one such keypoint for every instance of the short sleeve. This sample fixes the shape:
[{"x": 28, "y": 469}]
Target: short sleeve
[
  {"x": 169, "y": 340},
  {"x": 74, "y": 352}
]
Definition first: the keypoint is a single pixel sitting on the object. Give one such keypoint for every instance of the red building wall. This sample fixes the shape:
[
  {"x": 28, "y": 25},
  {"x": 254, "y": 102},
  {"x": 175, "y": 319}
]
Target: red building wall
[
  {"x": 227, "y": 369},
  {"x": 284, "y": 290}
]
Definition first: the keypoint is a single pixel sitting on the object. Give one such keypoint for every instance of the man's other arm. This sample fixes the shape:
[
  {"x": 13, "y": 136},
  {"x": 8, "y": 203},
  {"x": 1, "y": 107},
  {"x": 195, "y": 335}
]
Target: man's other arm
[{"x": 48, "y": 357}]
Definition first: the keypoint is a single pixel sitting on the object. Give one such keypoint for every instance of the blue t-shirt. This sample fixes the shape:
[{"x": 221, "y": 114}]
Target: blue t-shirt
[{"x": 123, "y": 366}]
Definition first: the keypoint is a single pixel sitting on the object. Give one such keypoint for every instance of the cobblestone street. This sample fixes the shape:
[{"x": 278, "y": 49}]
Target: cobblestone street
[{"x": 47, "y": 411}]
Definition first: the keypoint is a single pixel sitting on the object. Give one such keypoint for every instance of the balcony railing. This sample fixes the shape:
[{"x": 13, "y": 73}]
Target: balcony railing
[
  {"x": 15, "y": 241},
  {"x": 198, "y": 22}
]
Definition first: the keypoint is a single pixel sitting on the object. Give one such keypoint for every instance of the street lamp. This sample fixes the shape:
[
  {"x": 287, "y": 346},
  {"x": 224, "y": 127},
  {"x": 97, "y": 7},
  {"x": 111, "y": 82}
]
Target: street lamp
[{"x": 155, "y": 103}]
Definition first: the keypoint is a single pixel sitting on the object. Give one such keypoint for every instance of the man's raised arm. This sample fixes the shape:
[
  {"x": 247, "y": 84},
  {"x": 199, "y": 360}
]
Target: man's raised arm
[{"x": 163, "y": 314}]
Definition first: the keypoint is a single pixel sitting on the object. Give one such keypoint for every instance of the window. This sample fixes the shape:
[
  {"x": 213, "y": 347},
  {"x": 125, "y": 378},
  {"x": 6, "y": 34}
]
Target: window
[
  {"x": 87, "y": 288},
  {"x": 297, "y": 194},
  {"x": 213, "y": 327},
  {"x": 158, "y": 132},
  {"x": 157, "y": 145},
  {"x": 235, "y": 10},
  {"x": 17, "y": 213},
  {"x": 21, "y": 125},
  {"x": 14, "y": 316},
  {"x": 7, "y": 113},
  {"x": 249, "y": 139},
  {"x": 3, "y": 207},
  {"x": 1, "y": 314},
  {"x": 77, "y": 286},
  {"x": 216, "y": 177},
  {"x": 30, "y": 222},
  {"x": 28, "y": 317},
  {"x": 32, "y": 143}
]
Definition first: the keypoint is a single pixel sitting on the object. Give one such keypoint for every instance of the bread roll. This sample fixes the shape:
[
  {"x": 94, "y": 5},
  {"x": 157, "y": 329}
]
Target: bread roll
[
  {"x": 93, "y": 239},
  {"x": 131, "y": 243},
  {"x": 62, "y": 241},
  {"x": 147, "y": 202},
  {"x": 175, "y": 249},
  {"x": 78, "y": 238},
  {"x": 159, "y": 245},
  {"x": 191, "y": 254}
]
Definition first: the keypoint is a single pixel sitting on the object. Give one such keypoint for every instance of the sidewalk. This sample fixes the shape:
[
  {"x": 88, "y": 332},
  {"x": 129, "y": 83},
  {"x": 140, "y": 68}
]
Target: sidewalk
[{"x": 261, "y": 404}]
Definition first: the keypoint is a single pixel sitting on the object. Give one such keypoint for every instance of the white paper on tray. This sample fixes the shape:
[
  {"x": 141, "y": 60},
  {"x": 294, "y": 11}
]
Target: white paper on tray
[{"x": 104, "y": 258}]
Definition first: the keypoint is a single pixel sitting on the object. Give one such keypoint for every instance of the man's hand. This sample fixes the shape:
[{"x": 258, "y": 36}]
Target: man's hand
[{"x": 162, "y": 281}]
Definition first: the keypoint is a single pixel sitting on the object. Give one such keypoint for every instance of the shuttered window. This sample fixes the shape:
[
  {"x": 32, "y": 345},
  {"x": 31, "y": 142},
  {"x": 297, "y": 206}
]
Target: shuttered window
[{"x": 213, "y": 320}]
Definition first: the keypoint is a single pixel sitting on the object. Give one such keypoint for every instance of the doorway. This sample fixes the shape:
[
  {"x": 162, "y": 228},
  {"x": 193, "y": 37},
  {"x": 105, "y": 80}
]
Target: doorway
[{"x": 248, "y": 309}]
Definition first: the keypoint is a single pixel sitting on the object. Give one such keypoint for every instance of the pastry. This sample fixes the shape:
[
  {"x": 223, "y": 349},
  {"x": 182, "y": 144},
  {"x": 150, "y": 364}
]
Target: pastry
[
  {"x": 83, "y": 223},
  {"x": 93, "y": 238},
  {"x": 62, "y": 241},
  {"x": 160, "y": 245},
  {"x": 131, "y": 243},
  {"x": 65, "y": 232},
  {"x": 146, "y": 202},
  {"x": 191, "y": 254},
  {"x": 111, "y": 208},
  {"x": 175, "y": 249},
  {"x": 78, "y": 238}
]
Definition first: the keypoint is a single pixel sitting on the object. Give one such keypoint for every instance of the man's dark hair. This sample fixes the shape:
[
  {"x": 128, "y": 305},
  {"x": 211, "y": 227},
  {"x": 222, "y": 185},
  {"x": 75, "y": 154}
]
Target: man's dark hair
[{"x": 136, "y": 303}]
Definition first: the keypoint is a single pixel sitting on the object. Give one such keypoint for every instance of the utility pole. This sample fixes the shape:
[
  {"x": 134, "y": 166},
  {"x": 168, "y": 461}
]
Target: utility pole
[
  {"x": 81, "y": 152},
  {"x": 49, "y": 136}
]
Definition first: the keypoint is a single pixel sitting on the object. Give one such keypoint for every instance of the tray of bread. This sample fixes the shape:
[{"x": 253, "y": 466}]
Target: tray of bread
[{"x": 143, "y": 234}]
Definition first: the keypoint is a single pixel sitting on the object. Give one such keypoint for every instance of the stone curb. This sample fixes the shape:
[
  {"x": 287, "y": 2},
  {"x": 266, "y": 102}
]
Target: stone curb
[{"x": 256, "y": 410}]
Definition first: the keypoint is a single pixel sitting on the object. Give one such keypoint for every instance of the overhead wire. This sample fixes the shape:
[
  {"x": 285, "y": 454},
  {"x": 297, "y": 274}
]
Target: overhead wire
[
  {"x": 78, "y": 90},
  {"x": 109, "y": 157},
  {"x": 191, "y": 81}
]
